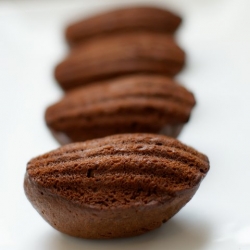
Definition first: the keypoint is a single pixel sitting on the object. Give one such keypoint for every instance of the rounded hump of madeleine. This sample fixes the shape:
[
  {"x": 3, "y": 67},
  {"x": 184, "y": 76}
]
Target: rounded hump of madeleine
[
  {"x": 129, "y": 104},
  {"x": 118, "y": 55},
  {"x": 117, "y": 186},
  {"x": 136, "y": 18}
]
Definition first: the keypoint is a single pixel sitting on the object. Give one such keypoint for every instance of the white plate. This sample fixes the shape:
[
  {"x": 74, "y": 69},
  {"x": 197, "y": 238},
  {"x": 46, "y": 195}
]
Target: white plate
[{"x": 216, "y": 36}]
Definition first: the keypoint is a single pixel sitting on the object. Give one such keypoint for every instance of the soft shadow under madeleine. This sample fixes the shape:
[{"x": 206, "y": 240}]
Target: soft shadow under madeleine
[{"x": 177, "y": 233}]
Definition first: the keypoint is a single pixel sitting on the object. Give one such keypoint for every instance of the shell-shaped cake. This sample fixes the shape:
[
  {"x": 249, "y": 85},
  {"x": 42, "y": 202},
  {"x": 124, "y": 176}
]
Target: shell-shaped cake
[
  {"x": 117, "y": 186},
  {"x": 122, "y": 54},
  {"x": 123, "y": 20},
  {"x": 131, "y": 104}
]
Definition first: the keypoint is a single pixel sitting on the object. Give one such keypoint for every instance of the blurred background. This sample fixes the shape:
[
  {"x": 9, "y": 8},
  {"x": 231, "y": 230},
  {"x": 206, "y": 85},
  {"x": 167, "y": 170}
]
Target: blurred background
[{"x": 215, "y": 35}]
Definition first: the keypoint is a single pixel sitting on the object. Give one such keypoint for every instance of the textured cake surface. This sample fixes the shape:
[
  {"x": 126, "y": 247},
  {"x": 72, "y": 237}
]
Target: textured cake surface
[
  {"x": 123, "y": 20},
  {"x": 112, "y": 56},
  {"x": 137, "y": 103},
  {"x": 117, "y": 186}
]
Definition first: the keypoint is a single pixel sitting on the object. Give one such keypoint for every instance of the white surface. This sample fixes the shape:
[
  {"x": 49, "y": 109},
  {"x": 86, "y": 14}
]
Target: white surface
[{"x": 216, "y": 36}]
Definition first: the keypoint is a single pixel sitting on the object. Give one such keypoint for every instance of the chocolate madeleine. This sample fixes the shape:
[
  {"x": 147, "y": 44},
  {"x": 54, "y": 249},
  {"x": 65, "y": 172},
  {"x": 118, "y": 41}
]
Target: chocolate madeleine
[
  {"x": 117, "y": 55},
  {"x": 118, "y": 186},
  {"x": 130, "y": 104},
  {"x": 123, "y": 20}
]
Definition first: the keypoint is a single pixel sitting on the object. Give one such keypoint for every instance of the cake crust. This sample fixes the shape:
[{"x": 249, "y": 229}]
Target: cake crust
[
  {"x": 130, "y": 104},
  {"x": 123, "y": 20},
  {"x": 117, "y": 186},
  {"x": 120, "y": 54}
]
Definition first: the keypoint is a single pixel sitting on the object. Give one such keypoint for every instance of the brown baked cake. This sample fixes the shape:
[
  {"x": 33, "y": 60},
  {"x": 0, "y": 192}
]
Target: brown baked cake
[
  {"x": 118, "y": 186},
  {"x": 123, "y": 20},
  {"x": 122, "y": 54},
  {"x": 130, "y": 104}
]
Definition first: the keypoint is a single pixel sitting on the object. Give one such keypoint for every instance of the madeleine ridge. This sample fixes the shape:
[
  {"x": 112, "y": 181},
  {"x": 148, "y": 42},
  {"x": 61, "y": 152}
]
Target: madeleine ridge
[
  {"x": 120, "y": 54},
  {"x": 130, "y": 104},
  {"x": 123, "y": 20},
  {"x": 117, "y": 186}
]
